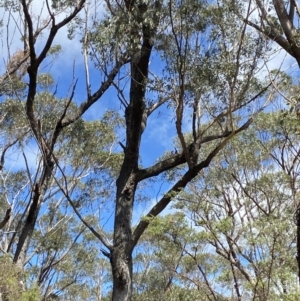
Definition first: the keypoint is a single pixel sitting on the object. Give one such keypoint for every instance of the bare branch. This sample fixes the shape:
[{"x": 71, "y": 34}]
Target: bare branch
[
  {"x": 45, "y": 270},
  {"x": 58, "y": 126},
  {"x": 2, "y": 158},
  {"x": 65, "y": 192},
  {"x": 156, "y": 105},
  {"x": 91, "y": 100},
  {"x": 85, "y": 54}
]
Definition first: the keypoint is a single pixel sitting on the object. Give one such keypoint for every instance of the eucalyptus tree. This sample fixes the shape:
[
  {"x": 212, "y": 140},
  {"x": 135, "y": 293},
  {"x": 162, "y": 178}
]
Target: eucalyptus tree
[{"x": 180, "y": 59}]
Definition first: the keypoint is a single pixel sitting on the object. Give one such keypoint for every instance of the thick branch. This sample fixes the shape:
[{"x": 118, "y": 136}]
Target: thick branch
[
  {"x": 288, "y": 28},
  {"x": 274, "y": 35},
  {"x": 55, "y": 28},
  {"x": 178, "y": 159},
  {"x": 289, "y": 44},
  {"x": 156, "y": 105},
  {"x": 93, "y": 98},
  {"x": 31, "y": 38},
  {"x": 6, "y": 218},
  {"x": 173, "y": 161},
  {"x": 177, "y": 187},
  {"x": 292, "y": 11},
  {"x": 285, "y": 22},
  {"x": 27, "y": 230}
]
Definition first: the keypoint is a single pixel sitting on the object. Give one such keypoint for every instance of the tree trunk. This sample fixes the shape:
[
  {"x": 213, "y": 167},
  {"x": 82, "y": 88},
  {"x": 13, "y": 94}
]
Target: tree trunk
[
  {"x": 136, "y": 119},
  {"x": 122, "y": 275},
  {"x": 121, "y": 253}
]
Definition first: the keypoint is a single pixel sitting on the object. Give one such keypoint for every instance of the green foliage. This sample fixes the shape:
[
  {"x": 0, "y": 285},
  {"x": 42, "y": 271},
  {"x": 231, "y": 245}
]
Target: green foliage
[{"x": 12, "y": 283}]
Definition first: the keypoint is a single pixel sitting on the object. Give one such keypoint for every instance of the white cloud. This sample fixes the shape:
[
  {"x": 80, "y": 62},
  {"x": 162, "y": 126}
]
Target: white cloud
[
  {"x": 13, "y": 26},
  {"x": 14, "y": 159}
]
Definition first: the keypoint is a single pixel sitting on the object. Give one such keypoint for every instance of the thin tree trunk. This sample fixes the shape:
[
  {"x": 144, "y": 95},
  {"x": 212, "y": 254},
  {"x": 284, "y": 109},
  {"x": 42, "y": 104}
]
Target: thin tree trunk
[
  {"x": 27, "y": 230},
  {"x": 121, "y": 254}
]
